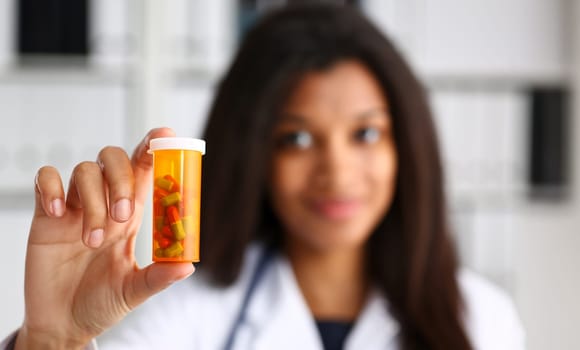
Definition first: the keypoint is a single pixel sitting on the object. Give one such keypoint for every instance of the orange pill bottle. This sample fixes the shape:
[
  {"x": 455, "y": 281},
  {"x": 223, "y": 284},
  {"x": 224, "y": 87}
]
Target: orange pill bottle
[{"x": 176, "y": 198}]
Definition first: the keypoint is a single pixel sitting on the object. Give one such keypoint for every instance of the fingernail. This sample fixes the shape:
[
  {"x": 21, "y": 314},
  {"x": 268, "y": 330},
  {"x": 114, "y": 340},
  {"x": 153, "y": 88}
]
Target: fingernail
[
  {"x": 122, "y": 210},
  {"x": 96, "y": 238},
  {"x": 57, "y": 207}
]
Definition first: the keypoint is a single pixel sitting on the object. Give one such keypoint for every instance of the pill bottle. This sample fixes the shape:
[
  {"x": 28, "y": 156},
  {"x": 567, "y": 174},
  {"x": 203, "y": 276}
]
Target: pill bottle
[{"x": 176, "y": 198}]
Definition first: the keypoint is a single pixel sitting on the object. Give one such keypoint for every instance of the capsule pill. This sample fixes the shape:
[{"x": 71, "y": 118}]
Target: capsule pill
[{"x": 171, "y": 199}]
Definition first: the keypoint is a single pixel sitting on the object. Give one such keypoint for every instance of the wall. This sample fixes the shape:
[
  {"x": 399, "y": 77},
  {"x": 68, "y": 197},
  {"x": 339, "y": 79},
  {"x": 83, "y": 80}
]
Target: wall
[{"x": 475, "y": 57}]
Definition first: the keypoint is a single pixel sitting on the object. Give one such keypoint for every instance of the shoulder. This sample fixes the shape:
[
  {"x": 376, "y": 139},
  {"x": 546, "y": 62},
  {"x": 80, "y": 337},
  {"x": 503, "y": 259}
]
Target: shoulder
[{"x": 491, "y": 318}]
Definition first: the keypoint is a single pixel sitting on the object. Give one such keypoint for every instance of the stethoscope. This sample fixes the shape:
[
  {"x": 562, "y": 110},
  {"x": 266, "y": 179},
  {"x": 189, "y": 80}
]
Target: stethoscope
[{"x": 257, "y": 275}]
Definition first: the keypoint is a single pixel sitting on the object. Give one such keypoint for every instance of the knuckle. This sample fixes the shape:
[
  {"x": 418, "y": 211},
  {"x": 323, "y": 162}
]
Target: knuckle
[
  {"x": 124, "y": 177},
  {"x": 86, "y": 168},
  {"x": 96, "y": 213},
  {"x": 110, "y": 150}
]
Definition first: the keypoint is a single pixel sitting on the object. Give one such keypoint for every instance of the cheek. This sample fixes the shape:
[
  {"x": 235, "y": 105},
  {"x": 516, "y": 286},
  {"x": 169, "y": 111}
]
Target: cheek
[
  {"x": 382, "y": 171},
  {"x": 288, "y": 177}
]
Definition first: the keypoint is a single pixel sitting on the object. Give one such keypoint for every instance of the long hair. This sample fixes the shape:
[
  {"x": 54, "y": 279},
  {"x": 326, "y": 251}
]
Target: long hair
[{"x": 410, "y": 255}]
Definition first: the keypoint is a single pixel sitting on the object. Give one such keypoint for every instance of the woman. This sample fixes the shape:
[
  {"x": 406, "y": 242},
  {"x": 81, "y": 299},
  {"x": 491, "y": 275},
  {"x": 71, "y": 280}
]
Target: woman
[{"x": 323, "y": 217}]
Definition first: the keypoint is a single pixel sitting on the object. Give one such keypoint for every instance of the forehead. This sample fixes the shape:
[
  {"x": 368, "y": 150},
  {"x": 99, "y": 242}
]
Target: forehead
[{"x": 345, "y": 89}]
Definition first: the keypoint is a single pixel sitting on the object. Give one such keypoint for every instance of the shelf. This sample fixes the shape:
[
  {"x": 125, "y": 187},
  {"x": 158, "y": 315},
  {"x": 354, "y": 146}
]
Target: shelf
[
  {"x": 467, "y": 81},
  {"x": 49, "y": 74}
]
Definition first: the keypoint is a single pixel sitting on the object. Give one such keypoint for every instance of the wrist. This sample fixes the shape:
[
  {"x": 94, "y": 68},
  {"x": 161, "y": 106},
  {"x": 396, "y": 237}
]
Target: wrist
[{"x": 28, "y": 339}]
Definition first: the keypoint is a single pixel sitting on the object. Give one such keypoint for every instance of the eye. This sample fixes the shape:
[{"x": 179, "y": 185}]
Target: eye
[
  {"x": 368, "y": 134},
  {"x": 296, "y": 139}
]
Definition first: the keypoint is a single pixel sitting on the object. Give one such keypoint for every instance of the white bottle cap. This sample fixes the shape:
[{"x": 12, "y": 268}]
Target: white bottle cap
[{"x": 177, "y": 143}]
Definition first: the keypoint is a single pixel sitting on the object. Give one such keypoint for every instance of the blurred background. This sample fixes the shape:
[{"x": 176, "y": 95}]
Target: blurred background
[{"x": 76, "y": 75}]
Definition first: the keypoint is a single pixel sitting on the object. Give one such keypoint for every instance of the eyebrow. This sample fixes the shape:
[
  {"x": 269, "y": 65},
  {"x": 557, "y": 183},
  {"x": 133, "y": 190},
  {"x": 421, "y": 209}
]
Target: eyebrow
[
  {"x": 301, "y": 120},
  {"x": 373, "y": 112}
]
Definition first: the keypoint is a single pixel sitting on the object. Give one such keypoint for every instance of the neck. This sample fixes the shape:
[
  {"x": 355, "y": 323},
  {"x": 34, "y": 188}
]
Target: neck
[{"x": 333, "y": 282}]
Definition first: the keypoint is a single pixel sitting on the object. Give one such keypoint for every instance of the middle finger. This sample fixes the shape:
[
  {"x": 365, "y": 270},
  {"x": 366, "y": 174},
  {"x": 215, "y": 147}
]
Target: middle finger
[{"x": 86, "y": 191}]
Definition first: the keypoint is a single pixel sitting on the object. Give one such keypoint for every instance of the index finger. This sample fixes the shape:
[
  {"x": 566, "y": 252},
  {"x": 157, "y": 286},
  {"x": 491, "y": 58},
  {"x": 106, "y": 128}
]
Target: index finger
[{"x": 142, "y": 162}]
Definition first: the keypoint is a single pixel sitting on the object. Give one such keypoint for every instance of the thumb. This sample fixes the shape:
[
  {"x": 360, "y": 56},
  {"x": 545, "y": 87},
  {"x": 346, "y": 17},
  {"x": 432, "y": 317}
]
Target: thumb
[
  {"x": 153, "y": 279},
  {"x": 142, "y": 162}
]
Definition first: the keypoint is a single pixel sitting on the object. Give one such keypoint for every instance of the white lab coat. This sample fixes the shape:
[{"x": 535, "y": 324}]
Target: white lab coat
[{"x": 193, "y": 315}]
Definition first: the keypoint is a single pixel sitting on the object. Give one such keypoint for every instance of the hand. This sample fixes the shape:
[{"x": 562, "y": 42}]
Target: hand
[{"x": 81, "y": 276}]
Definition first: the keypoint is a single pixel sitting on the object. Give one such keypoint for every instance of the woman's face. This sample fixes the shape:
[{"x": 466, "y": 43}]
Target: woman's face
[{"x": 333, "y": 169}]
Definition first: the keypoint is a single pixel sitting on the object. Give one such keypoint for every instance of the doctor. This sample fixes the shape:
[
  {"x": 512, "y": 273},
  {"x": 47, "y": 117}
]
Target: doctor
[{"x": 323, "y": 220}]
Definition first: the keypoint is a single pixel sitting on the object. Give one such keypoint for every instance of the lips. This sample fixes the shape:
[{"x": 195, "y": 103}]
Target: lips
[{"x": 336, "y": 209}]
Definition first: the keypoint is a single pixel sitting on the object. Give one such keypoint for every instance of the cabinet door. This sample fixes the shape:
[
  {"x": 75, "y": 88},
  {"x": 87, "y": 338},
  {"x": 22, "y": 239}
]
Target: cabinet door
[
  {"x": 522, "y": 38},
  {"x": 450, "y": 38}
]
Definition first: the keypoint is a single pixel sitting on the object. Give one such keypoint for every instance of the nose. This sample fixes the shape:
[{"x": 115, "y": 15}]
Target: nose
[{"x": 336, "y": 166}]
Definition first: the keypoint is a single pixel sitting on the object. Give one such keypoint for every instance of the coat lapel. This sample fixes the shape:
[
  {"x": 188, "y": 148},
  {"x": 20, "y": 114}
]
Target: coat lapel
[
  {"x": 279, "y": 316},
  {"x": 375, "y": 328}
]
